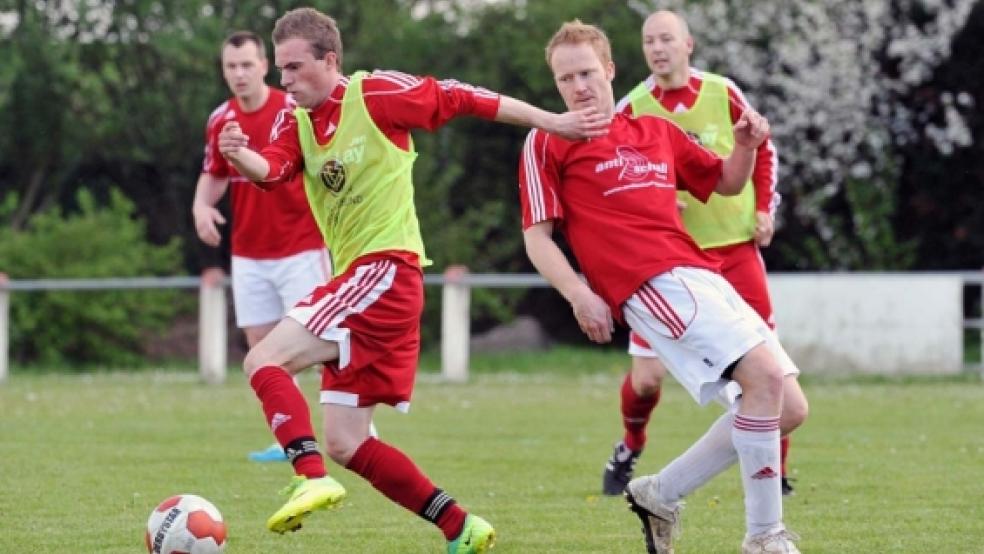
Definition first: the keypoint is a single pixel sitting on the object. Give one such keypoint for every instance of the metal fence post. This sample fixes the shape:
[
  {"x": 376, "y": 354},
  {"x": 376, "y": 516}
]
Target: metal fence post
[
  {"x": 212, "y": 339},
  {"x": 455, "y": 324},
  {"x": 4, "y": 327}
]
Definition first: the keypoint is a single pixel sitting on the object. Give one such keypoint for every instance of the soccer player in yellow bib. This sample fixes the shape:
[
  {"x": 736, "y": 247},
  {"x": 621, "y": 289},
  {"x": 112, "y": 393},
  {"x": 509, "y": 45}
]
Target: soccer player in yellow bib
[
  {"x": 350, "y": 138},
  {"x": 732, "y": 228}
]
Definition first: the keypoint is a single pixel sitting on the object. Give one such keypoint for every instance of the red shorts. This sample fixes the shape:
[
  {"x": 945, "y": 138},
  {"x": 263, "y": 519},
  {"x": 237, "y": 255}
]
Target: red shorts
[
  {"x": 743, "y": 267},
  {"x": 372, "y": 311}
]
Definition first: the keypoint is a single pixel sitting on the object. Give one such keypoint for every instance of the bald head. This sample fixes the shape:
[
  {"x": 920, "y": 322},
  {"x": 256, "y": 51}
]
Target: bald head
[
  {"x": 666, "y": 19},
  {"x": 667, "y": 45}
]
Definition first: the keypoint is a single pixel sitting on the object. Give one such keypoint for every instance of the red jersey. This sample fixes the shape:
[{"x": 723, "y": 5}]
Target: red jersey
[
  {"x": 614, "y": 199},
  {"x": 397, "y": 103},
  {"x": 265, "y": 225},
  {"x": 764, "y": 175}
]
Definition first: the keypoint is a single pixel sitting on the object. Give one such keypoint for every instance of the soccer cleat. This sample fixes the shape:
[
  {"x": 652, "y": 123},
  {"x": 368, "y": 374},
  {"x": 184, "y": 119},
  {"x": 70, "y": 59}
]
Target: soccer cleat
[
  {"x": 306, "y": 495},
  {"x": 273, "y": 453},
  {"x": 777, "y": 542},
  {"x": 787, "y": 488},
  {"x": 619, "y": 469},
  {"x": 477, "y": 536},
  {"x": 660, "y": 521}
]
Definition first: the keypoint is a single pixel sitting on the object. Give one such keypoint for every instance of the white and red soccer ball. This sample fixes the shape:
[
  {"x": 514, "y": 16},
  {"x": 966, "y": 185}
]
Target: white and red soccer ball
[{"x": 185, "y": 524}]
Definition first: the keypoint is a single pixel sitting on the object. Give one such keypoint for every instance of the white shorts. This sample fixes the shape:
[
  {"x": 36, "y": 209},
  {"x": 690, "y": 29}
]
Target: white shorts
[
  {"x": 263, "y": 290},
  {"x": 697, "y": 325}
]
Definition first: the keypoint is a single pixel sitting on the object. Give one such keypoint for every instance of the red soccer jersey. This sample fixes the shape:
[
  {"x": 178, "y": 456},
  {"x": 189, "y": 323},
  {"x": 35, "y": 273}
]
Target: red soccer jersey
[
  {"x": 614, "y": 198},
  {"x": 265, "y": 225},
  {"x": 397, "y": 103},
  {"x": 764, "y": 175}
]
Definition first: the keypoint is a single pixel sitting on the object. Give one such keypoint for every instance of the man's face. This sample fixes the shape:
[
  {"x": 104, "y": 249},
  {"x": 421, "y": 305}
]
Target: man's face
[
  {"x": 666, "y": 45},
  {"x": 307, "y": 78},
  {"x": 582, "y": 78},
  {"x": 243, "y": 69}
]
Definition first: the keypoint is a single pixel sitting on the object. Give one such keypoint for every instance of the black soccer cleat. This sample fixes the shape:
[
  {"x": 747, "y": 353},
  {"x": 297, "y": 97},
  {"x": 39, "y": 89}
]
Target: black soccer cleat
[
  {"x": 787, "y": 489},
  {"x": 619, "y": 469}
]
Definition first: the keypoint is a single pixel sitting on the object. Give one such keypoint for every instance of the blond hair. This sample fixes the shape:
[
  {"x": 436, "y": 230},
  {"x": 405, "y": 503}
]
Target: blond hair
[
  {"x": 575, "y": 32},
  {"x": 319, "y": 30}
]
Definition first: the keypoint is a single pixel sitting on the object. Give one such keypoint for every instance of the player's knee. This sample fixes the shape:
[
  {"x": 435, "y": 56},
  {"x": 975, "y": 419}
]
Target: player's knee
[
  {"x": 646, "y": 385},
  {"x": 761, "y": 379},
  {"x": 339, "y": 450},
  {"x": 253, "y": 362},
  {"x": 794, "y": 413},
  {"x": 647, "y": 376}
]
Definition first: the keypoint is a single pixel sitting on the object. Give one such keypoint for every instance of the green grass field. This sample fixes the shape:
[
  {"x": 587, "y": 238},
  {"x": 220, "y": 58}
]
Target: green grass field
[{"x": 881, "y": 466}]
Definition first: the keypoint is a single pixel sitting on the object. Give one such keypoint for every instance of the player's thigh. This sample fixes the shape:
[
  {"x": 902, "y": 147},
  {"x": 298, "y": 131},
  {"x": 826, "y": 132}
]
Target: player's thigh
[
  {"x": 254, "y": 293},
  {"x": 291, "y": 346},
  {"x": 255, "y": 333}
]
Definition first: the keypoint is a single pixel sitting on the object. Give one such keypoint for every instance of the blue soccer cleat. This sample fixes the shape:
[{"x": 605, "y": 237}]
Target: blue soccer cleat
[{"x": 273, "y": 453}]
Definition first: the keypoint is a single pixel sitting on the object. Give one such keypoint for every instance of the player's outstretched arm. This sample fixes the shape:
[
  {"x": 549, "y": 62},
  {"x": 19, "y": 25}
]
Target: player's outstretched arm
[
  {"x": 234, "y": 146},
  {"x": 592, "y": 313},
  {"x": 575, "y": 125}
]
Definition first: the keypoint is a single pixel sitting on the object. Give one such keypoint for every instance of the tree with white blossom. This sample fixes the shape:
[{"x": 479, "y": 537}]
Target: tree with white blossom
[{"x": 831, "y": 76}]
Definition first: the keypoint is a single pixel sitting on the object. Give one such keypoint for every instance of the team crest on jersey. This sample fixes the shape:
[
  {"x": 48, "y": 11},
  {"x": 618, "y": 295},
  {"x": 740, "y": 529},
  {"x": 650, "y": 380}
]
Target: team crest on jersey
[{"x": 333, "y": 175}]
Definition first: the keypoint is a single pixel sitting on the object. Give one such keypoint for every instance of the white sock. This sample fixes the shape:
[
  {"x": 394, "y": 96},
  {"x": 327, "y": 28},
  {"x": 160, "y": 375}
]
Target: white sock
[
  {"x": 713, "y": 453},
  {"x": 757, "y": 441}
]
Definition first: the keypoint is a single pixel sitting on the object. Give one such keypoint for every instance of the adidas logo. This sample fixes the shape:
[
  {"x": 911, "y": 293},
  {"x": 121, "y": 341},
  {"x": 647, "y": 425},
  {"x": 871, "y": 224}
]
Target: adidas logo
[
  {"x": 277, "y": 420},
  {"x": 765, "y": 473}
]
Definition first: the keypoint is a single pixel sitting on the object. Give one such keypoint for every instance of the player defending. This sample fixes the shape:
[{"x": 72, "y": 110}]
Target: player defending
[
  {"x": 614, "y": 199},
  {"x": 278, "y": 254},
  {"x": 732, "y": 228},
  {"x": 351, "y": 140}
]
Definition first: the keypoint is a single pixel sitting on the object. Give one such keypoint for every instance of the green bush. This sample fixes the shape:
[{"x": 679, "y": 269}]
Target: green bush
[{"x": 85, "y": 328}]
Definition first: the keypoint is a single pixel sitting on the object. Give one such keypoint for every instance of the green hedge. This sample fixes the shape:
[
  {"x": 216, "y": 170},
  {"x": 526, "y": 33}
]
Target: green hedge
[{"x": 84, "y": 329}]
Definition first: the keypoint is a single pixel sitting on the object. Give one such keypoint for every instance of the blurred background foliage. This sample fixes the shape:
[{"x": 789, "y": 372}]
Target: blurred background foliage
[{"x": 873, "y": 106}]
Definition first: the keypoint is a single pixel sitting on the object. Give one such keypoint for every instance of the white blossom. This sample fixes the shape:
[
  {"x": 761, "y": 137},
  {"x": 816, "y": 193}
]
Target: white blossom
[{"x": 831, "y": 75}]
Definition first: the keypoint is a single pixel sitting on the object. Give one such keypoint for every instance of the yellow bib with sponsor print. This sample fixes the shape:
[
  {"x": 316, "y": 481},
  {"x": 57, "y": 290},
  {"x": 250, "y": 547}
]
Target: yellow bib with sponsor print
[
  {"x": 723, "y": 220},
  {"x": 359, "y": 185}
]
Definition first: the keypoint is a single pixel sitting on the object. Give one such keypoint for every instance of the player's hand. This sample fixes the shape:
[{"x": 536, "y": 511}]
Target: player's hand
[
  {"x": 593, "y": 316},
  {"x": 232, "y": 139},
  {"x": 681, "y": 205},
  {"x": 751, "y": 129},
  {"x": 580, "y": 124},
  {"x": 207, "y": 220},
  {"x": 764, "y": 229}
]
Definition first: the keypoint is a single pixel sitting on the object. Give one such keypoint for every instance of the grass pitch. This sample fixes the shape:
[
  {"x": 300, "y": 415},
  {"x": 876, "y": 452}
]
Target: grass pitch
[{"x": 880, "y": 466}]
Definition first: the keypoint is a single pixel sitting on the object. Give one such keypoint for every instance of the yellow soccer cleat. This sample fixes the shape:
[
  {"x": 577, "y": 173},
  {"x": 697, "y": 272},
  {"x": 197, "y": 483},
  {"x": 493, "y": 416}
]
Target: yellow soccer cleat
[
  {"x": 306, "y": 496},
  {"x": 477, "y": 536}
]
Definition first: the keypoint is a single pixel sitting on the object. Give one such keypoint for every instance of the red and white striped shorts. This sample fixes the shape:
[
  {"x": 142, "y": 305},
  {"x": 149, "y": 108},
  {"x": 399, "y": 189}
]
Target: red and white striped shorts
[
  {"x": 372, "y": 311},
  {"x": 697, "y": 325}
]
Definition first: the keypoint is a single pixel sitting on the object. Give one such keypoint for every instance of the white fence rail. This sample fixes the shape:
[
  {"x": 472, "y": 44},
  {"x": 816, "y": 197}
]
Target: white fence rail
[{"x": 867, "y": 322}]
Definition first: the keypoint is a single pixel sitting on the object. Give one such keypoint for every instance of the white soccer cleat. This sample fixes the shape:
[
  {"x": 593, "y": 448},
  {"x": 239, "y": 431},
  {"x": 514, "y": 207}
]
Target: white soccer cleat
[
  {"x": 660, "y": 520},
  {"x": 776, "y": 542}
]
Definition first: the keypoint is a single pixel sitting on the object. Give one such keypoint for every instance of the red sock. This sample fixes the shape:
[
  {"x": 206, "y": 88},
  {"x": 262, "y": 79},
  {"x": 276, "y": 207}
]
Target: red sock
[
  {"x": 783, "y": 450},
  {"x": 289, "y": 418},
  {"x": 395, "y": 475},
  {"x": 635, "y": 414}
]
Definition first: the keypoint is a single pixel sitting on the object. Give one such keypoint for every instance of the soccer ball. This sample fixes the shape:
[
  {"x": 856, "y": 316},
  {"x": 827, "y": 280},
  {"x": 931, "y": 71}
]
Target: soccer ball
[{"x": 185, "y": 524}]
